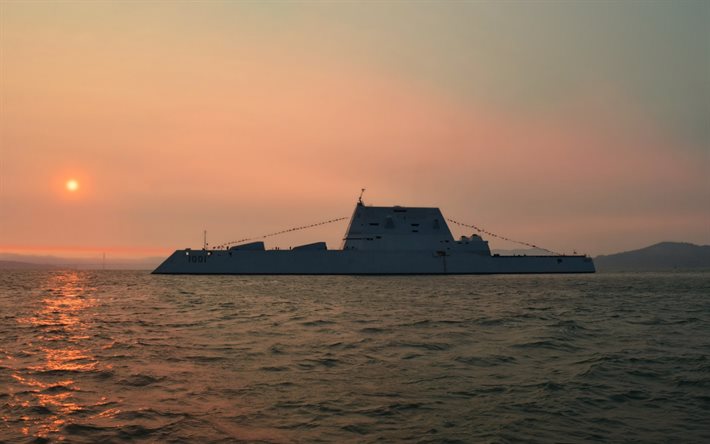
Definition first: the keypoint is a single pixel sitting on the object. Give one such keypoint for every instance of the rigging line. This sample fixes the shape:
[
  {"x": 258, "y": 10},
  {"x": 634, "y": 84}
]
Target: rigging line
[
  {"x": 481, "y": 230},
  {"x": 303, "y": 227}
]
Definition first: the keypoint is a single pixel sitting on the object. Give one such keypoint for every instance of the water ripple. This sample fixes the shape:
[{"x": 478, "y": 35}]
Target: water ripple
[{"x": 126, "y": 356}]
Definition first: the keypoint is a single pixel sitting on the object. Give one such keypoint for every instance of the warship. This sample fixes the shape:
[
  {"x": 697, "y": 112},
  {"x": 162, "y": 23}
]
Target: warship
[{"x": 378, "y": 241}]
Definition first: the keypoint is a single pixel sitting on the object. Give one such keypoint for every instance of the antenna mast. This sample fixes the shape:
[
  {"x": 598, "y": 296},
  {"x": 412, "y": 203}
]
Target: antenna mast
[
  {"x": 204, "y": 242},
  {"x": 359, "y": 200}
]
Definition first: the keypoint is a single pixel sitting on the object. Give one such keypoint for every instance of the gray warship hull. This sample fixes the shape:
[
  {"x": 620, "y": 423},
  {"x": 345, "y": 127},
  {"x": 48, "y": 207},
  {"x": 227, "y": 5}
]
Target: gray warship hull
[{"x": 354, "y": 262}]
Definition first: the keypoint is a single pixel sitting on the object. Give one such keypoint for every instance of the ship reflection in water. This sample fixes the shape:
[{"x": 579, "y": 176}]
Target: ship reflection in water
[{"x": 56, "y": 352}]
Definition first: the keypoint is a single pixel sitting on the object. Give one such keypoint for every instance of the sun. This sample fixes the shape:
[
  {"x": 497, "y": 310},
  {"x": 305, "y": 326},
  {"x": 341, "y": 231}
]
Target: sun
[{"x": 72, "y": 185}]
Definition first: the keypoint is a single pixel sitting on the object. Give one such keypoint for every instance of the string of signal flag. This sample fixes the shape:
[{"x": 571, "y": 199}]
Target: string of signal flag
[
  {"x": 481, "y": 230},
  {"x": 290, "y": 230}
]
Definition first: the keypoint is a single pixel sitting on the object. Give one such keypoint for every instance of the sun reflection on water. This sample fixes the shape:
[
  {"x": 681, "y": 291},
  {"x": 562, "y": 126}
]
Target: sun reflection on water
[{"x": 58, "y": 349}]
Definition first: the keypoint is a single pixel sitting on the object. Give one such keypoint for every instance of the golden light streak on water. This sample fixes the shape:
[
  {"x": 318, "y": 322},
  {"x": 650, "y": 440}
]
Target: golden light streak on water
[{"x": 62, "y": 320}]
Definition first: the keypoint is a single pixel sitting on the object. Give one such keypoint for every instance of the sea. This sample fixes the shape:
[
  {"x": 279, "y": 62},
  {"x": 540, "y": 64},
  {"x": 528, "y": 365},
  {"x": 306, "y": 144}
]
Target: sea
[{"x": 115, "y": 356}]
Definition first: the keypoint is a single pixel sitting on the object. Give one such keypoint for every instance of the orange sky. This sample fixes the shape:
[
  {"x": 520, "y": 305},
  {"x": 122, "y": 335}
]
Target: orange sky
[{"x": 244, "y": 119}]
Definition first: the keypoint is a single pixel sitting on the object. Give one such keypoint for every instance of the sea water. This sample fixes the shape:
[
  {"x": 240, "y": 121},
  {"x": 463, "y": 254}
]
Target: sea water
[{"x": 110, "y": 356}]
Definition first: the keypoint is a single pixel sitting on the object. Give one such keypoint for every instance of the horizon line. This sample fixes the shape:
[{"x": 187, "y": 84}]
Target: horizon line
[{"x": 121, "y": 250}]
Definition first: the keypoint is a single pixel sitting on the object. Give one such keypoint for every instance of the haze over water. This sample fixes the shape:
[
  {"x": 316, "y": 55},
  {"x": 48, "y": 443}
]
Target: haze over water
[
  {"x": 102, "y": 356},
  {"x": 128, "y": 128}
]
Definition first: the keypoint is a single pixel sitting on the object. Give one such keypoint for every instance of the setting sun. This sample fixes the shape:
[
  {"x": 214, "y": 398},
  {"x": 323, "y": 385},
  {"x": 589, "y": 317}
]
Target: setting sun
[{"x": 72, "y": 185}]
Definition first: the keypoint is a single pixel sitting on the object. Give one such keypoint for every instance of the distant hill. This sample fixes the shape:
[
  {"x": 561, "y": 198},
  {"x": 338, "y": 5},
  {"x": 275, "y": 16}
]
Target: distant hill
[
  {"x": 664, "y": 256},
  {"x": 17, "y": 265}
]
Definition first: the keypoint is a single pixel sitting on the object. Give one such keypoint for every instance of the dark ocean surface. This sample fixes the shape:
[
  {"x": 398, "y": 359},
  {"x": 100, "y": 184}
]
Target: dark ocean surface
[{"x": 106, "y": 356}]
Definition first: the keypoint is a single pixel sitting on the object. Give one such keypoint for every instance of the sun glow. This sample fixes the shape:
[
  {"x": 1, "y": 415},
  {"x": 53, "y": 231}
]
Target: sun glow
[{"x": 72, "y": 185}]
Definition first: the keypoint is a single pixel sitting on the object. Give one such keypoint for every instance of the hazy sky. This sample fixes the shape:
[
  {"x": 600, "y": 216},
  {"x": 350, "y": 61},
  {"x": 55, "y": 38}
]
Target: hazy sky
[{"x": 575, "y": 125}]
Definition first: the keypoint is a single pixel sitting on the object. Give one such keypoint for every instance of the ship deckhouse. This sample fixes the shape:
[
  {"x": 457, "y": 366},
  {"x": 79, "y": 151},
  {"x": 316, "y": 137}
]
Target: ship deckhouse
[{"x": 405, "y": 229}]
